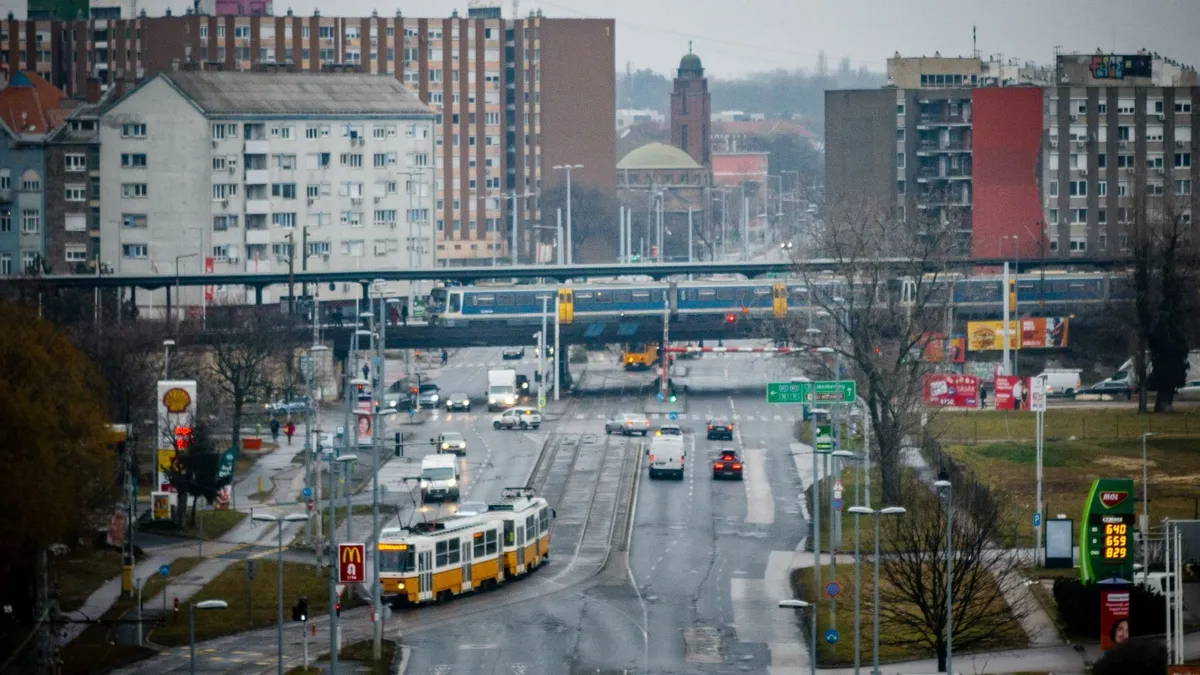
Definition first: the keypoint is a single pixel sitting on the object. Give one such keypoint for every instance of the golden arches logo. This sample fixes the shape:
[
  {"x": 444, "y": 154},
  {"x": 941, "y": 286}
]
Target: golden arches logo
[
  {"x": 177, "y": 400},
  {"x": 352, "y": 554}
]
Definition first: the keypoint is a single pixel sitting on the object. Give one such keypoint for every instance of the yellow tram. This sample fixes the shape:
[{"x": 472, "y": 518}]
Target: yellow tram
[{"x": 435, "y": 561}]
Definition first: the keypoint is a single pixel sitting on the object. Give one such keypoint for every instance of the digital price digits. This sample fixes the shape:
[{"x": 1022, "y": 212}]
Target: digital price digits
[{"x": 1116, "y": 541}]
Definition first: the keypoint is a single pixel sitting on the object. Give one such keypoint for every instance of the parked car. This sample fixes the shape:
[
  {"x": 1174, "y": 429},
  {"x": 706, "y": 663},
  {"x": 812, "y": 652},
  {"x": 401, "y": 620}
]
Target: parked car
[
  {"x": 628, "y": 424},
  {"x": 517, "y": 418},
  {"x": 727, "y": 465},
  {"x": 458, "y": 401},
  {"x": 512, "y": 353},
  {"x": 720, "y": 429},
  {"x": 297, "y": 405},
  {"x": 429, "y": 396},
  {"x": 1190, "y": 391},
  {"x": 1119, "y": 388},
  {"x": 451, "y": 441}
]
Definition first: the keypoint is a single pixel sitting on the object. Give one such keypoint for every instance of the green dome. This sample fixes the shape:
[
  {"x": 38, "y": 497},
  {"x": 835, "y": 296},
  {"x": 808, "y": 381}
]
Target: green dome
[
  {"x": 657, "y": 156},
  {"x": 690, "y": 63}
]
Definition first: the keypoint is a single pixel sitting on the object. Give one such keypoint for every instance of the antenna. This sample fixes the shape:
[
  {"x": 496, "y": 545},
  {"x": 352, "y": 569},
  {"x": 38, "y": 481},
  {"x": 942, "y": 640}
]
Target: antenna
[
  {"x": 516, "y": 11},
  {"x": 974, "y": 42}
]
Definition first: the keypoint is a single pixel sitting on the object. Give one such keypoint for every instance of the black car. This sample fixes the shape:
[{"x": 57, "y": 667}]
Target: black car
[
  {"x": 719, "y": 429},
  {"x": 509, "y": 353},
  {"x": 727, "y": 465}
]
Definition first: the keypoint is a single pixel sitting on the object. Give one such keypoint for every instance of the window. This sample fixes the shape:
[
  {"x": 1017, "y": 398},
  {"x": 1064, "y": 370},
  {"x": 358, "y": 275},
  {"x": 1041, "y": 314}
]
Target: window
[
  {"x": 380, "y": 160},
  {"x": 225, "y": 222},
  {"x": 31, "y": 182},
  {"x": 1078, "y": 188},
  {"x": 75, "y": 222},
  {"x": 1053, "y": 188},
  {"x": 133, "y": 160},
  {"x": 353, "y": 160},
  {"x": 1183, "y": 187},
  {"x": 1125, "y": 161},
  {"x": 1078, "y": 215},
  {"x": 1183, "y": 159},
  {"x": 75, "y": 193},
  {"x": 135, "y": 251},
  {"x": 285, "y": 162},
  {"x": 283, "y": 133},
  {"x": 385, "y": 217},
  {"x": 1078, "y": 245},
  {"x": 75, "y": 162},
  {"x": 1102, "y": 160},
  {"x": 220, "y": 191},
  {"x": 1053, "y": 216},
  {"x": 313, "y": 191},
  {"x": 283, "y": 219},
  {"x": 353, "y": 248},
  {"x": 218, "y": 131},
  {"x": 1183, "y": 107},
  {"x": 133, "y": 130},
  {"x": 418, "y": 215},
  {"x": 418, "y": 159},
  {"x": 133, "y": 220},
  {"x": 1102, "y": 216},
  {"x": 284, "y": 190},
  {"x": 218, "y": 163},
  {"x": 133, "y": 190},
  {"x": 899, "y": 160},
  {"x": 1102, "y": 188},
  {"x": 354, "y": 190},
  {"x": 76, "y": 252},
  {"x": 448, "y": 552}
]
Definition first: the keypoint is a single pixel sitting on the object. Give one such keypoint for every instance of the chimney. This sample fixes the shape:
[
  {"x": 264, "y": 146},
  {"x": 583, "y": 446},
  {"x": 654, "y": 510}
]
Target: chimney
[
  {"x": 119, "y": 86},
  {"x": 93, "y": 90}
]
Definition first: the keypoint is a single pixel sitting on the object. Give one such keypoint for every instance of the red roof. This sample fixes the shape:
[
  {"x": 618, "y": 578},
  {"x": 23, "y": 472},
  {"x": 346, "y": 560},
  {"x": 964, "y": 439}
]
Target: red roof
[
  {"x": 763, "y": 128},
  {"x": 30, "y": 104}
]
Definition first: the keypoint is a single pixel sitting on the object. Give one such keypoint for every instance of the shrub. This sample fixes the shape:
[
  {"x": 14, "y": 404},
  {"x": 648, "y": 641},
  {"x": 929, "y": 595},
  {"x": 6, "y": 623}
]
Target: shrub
[{"x": 1079, "y": 609}]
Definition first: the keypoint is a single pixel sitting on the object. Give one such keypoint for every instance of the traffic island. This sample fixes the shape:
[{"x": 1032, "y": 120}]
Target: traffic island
[{"x": 361, "y": 652}]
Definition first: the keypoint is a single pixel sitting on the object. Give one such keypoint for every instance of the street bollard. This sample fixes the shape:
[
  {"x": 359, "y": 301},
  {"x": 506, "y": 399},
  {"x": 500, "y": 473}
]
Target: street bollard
[{"x": 176, "y": 611}]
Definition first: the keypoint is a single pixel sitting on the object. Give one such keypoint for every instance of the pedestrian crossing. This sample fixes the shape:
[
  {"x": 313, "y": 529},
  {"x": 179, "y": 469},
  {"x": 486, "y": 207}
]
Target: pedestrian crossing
[{"x": 698, "y": 417}]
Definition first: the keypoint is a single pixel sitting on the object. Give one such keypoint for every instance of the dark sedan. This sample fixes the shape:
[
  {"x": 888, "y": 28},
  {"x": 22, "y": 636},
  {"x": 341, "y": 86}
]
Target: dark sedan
[
  {"x": 727, "y": 465},
  {"x": 720, "y": 429}
]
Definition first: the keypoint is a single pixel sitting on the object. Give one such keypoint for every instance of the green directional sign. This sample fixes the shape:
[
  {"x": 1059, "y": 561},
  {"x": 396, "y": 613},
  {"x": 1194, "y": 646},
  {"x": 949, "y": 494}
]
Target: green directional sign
[
  {"x": 823, "y": 438},
  {"x": 821, "y": 391},
  {"x": 1106, "y": 541}
]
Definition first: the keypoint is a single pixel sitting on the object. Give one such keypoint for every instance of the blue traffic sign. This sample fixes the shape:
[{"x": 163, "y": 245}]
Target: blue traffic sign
[
  {"x": 837, "y": 504},
  {"x": 306, "y": 493},
  {"x": 832, "y": 589},
  {"x": 164, "y": 570},
  {"x": 831, "y": 636},
  {"x": 1037, "y": 519},
  {"x": 660, "y": 396},
  {"x": 674, "y": 415}
]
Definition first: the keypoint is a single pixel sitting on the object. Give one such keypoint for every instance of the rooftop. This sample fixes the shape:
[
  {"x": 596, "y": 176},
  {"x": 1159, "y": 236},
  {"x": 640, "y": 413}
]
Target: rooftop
[
  {"x": 339, "y": 94},
  {"x": 657, "y": 156},
  {"x": 31, "y": 105}
]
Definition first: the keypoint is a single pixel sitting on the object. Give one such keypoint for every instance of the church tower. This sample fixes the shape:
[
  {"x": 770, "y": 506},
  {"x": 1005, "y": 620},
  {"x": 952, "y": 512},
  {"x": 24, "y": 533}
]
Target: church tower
[{"x": 691, "y": 116}]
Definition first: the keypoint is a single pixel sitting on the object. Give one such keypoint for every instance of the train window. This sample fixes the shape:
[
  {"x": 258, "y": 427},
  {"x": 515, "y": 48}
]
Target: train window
[
  {"x": 509, "y": 533},
  {"x": 583, "y": 299},
  {"x": 456, "y": 302},
  {"x": 656, "y": 296},
  {"x": 490, "y": 540},
  {"x": 762, "y": 291},
  {"x": 530, "y": 527},
  {"x": 623, "y": 296},
  {"x": 454, "y": 551},
  {"x": 480, "y": 300},
  {"x": 398, "y": 561},
  {"x": 706, "y": 294},
  {"x": 505, "y": 299},
  {"x": 726, "y": 294},
  {"x": 641, "y": 296},
  {"x": 544, "y": 521},
  {"x": 442, "y": 554},
  {"x": 479, "y": 547},
  {"x": 604, "y": 296}
]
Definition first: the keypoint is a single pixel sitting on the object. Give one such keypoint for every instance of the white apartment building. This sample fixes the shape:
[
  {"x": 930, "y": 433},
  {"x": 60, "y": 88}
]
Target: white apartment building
[{"x": 230, "y": 172}]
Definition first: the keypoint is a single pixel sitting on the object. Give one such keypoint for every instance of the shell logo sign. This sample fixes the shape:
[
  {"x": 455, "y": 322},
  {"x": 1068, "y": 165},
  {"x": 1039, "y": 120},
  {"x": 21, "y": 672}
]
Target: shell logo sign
[{"x": 177, "y": 400}]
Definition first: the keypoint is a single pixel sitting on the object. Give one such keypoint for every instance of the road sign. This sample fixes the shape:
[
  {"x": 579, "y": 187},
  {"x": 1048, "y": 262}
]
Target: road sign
[
  {"x": 309, "y": 504},
  {"x": 541, "y": 401},
  {"x": 831, "y": 636},
  {"x": 351, "y": 566},
  {"x": 674, "y": 415},
  {"x": 821, "y": 391},
  {"x": 1037, "y": 394},
  {"x": 832, "y": 589},
  {"x": 824, "y": 438},
  {"x": 837, "y": 485},
  {"x": 1037, "y": 519},
  {"x": 306, "y": 492},
  {"x": 838, "y": 504},
  {"x": 164, "y": 570}
]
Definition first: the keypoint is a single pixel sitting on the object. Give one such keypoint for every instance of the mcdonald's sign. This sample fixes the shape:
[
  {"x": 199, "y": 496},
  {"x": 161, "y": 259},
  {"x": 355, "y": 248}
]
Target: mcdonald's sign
[{"x": 352, "y": 568}]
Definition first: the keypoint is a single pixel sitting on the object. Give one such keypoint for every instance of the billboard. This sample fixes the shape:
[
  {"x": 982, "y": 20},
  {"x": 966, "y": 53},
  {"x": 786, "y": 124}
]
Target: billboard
[
  {"x": 1121, "y": 66},
  {"x": 1011, "y": 392},
  {"x": 951, "y": 390},
  {"x": 1030, "y": 333},
  {"x": 937, "y": 344},
  {"x": 1114, "y": 617},
  {"x": 176, "y": 410}
]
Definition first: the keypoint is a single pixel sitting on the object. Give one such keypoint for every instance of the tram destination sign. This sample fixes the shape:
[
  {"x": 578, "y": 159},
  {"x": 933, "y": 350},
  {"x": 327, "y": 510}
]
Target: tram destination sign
[{"x": 820, "y": 391}]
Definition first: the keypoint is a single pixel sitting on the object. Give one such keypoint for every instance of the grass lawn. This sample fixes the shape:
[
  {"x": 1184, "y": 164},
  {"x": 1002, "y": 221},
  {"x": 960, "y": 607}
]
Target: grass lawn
[
  {"x": 1007, "y": 635},
  {"x": 257, "y": 611},
  {"x": 1071, "y": 466},
  {"x": 991, "y": 426},
  {"x": 210, "y": 525},
  {"x": 867, "y": 525},
  {"x": 81, "y": 572},
  {"x": 360, "y": 652},
  {"x": 93, "y": 652}
]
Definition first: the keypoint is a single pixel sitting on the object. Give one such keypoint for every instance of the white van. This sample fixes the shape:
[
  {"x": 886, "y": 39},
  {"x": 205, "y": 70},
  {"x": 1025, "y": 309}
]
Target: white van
[
  {"x": 439, "y": 478},
  {"x": 1062, "y": 381},
  {"x": 666, "y": 456}
]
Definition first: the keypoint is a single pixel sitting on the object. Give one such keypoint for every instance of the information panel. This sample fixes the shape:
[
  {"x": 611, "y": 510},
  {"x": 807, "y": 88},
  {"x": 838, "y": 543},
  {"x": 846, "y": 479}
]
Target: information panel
[{"x": 1106, "y": 541}]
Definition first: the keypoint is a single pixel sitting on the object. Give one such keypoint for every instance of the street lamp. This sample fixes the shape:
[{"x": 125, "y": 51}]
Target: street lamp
[
  {"x": 192, "y": 607},
  {"x": 941, "y": 485},
  {"x": 344, "y": 460},
  {"x": 1145, "y": 524},
  {"x": 167, "y": 344},
  {"x": 279, "y": 521},
  {"x": 313, "y": 424},
  {"x": 567, "y": 168},
  {"x": 846, "y": 454},
  {"x": 868, "y": 511},
  {"x": 177, "y": 259},
  {"x": 800, "y": 604}
]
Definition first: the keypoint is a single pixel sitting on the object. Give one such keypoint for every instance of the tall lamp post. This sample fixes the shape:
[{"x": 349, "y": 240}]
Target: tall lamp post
[
  {"x": 568, "y": 168},
  {"x": 344, "y": 460},
  {"x": 850, "y": 456},
  {"x": 868, "y": 511},
  {"x": 1145, "y": 524},
  {"x": 800, "y": 604},
  {"x": 279, "y": 521},
  {"x": 192, "y": 607},
  {"x": 167, "y": 344},
  {"x": 943, "y": 486},
  {"x": 312, "y": 413}
]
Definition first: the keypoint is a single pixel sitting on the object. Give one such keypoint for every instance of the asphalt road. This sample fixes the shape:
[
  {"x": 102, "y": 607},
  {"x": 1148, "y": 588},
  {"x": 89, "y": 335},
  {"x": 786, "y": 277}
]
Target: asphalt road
[{"x": 706, "y": 562}]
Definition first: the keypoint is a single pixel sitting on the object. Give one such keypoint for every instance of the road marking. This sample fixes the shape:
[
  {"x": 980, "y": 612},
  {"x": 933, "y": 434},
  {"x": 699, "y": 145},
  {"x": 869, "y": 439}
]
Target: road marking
[
  {"x": 760, "y": 503},
  {"x": 475, "y": 647}
]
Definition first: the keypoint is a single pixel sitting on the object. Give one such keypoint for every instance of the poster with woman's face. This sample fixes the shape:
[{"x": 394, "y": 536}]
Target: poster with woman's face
[{"x": 1114, "y": 618}]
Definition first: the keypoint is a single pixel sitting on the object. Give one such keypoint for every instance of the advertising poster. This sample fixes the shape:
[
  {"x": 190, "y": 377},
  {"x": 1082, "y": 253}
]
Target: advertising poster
[
  {"x": 1031, "y": 333},
  {"x": 1011, "y": 392},
  {"x": 936, "y": 345},
  {"x": 1114, "y": 617},
  {"x": 1043, "y": 333},
  {"x": 160, "y": 505},
  {"x": 176, "y": 408},
  {"x": 951, "y": 390}
]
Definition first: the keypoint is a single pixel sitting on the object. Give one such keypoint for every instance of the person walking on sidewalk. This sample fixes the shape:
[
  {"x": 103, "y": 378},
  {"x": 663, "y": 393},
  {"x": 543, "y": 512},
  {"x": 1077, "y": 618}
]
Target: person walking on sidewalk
[
  {"x": 290, "y": 430},
  {"x": 404, "y": 314},
  {"x": 274, "y": 429}
]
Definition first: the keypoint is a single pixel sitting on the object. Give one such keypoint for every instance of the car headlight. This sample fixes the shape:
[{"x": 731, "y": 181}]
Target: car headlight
[
  {"x": 445, "y": 446},
  {"x": 453, "y": 482}
]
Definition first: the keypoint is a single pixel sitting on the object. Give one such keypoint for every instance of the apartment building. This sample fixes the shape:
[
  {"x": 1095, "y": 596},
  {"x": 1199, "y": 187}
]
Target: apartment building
[
  {"x": 1018, "y": 159},
  {"x": 27, "y": 114},
  {"x": 514, "y": 98},
  {"x": 234, "y": 172},
  {"x": 73, "y": 180}
]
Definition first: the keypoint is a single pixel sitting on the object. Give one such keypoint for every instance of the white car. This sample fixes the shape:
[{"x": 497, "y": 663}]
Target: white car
[
  {"x": 451, "y": 441},
  {"x": 517, "y": 418}
]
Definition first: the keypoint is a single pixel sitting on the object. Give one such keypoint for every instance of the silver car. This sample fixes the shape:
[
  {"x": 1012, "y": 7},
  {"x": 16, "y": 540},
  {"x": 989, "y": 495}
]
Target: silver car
[
  {"x": 430, "y": 396},
  {"x": 451, "y": 441},
  {"x": 628, "y": 424}
]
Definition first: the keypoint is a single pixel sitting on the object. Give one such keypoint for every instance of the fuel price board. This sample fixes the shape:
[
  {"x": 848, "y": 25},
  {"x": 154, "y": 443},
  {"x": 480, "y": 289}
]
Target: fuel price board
[{"x": 1106, "y": 542}]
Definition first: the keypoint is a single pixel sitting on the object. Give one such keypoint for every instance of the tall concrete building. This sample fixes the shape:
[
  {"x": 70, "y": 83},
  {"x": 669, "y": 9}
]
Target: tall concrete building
[
  {"x": 1019, "y": 160},
  {"x": 513, "y": 97}
]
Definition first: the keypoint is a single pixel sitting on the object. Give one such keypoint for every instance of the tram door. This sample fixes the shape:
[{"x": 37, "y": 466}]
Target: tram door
[
  {"x": 520, "y": 547},
  {"x": 425, "y": 575},
  {"x": 566, "y": 305},
  {"x": 466, "y": 565},
  {"x": 779, "y": 298}
]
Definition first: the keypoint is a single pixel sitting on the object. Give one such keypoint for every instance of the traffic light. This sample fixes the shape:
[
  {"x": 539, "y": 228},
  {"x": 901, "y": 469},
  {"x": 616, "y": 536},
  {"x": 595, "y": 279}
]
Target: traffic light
[
  {"x": 300, "y": 611},
  {"x": 399, "y": 446},
  {"x": 338, "y": 608},
  {"x": 731, "y": 318},
  {"x": 360, "y": 389}
]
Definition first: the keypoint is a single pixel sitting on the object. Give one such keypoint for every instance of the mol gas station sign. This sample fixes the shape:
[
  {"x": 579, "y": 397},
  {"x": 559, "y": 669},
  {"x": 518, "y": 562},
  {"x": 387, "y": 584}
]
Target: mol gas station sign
[{"x": 1106, "y": 542}]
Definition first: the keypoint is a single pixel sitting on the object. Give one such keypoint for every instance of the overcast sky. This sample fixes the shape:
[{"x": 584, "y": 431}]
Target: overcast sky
[{"x": 735, "y": 37}]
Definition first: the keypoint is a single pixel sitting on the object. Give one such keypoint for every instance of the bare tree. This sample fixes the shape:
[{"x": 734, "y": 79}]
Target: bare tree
[
  {"x": 1163, "y": 277},
  {"x": 877, "y": 309},
  {"x": 912, "y": 573},
  {"x": 594, "y": 220}
]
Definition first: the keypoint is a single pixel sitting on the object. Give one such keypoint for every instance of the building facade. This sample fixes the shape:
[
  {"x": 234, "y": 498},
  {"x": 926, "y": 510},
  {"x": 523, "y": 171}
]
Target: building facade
[
  {"x": 691, "y": 110},
  {"x": 73, "y": 177},
  {"x": 1023, "y": 170},
  {"x": 514, "y": 97},
  {"x": 233, "y": 172},
  {"x": 28, "y": 113}
]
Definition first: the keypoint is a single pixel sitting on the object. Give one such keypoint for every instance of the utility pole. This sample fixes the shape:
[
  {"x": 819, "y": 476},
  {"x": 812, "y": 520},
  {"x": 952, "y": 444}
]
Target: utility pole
[
  {"x": 291, "y": 274},
  {"x": 304, "y": 258},
  {"x": 377, "y": 443}
]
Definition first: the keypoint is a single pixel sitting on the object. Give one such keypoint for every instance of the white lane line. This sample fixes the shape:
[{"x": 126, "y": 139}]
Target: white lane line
[{"x": 760, "y": 503}]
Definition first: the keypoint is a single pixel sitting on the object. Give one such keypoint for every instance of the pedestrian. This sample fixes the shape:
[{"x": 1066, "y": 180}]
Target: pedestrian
[
  {"x": 275, "y": 430},
  {"x": 290, "y": 430},
  {"x": 366, "y": 372},
  {"x": 982, "y": 398},
  {"x": 404, "y": 314}
]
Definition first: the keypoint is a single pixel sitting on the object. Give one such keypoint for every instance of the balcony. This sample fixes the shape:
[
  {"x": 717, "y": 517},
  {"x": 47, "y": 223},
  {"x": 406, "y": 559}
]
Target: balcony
[
  {"x": 257, "y": 236},
  {"x": 258, "y": 206},
  {"x": 257, "y": 176},
  {"x": 926, "y": 149},
  {"x": 257, "y": 147},
  {"x": 929, "y": 121},
  {"x": 6, "y": 196}
]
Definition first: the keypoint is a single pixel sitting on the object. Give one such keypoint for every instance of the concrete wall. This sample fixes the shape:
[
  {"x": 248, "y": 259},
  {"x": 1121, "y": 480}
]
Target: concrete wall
[{"x": 860, "y": 145}]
